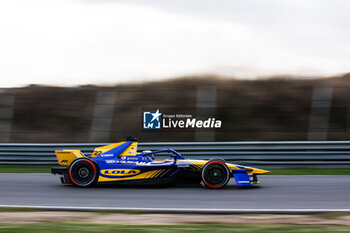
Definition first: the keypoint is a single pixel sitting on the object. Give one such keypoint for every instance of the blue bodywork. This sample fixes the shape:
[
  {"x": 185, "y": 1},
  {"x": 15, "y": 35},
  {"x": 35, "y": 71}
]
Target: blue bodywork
[
  {"x": 145, "y": 162},
  {"x": 121, "y": 163}
]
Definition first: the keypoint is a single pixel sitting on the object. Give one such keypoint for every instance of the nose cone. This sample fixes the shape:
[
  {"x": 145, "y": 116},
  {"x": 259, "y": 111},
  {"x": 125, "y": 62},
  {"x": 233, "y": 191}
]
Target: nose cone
[{"x": 256, "y": 170}]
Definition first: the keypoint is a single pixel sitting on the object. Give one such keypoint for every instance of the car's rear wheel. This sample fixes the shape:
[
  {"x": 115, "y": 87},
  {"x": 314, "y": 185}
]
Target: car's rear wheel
[
  {"x": 215, "y": 174},
  {"x": 83, "y": 172}
]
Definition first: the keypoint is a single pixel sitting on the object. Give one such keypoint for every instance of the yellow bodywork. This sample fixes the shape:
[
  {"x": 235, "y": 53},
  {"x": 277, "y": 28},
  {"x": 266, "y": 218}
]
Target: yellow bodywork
[
  {"x": 135, "y": 174},
  {"x": 254, "y": 170},
  {"x": 144, "y": 175},
  {"x": 197, "y": 165},
  {"x": 66, "y": 157},
  {"x": 130, "y": 151}
]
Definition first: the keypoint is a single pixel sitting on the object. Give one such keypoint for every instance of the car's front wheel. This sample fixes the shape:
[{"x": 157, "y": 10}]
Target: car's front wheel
[
  {"x": 83, "y": 172},
  {"x": 215, "y": 174}
]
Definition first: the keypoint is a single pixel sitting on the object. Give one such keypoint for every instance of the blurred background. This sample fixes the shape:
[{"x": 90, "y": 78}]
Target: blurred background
[
  {"x": 85, "y": 70},
  {"x": 280, "y": 108}
]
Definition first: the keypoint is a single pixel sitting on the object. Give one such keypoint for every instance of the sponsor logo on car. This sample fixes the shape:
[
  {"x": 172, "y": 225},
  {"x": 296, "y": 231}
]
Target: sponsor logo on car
[
  {"x": 134, "y": 163},
  {"x": 110, "y": 161},
  {"x": 120, "y": 172},
  {"x": 183, "y": 165},
  {"x": 243, "y": 181}
]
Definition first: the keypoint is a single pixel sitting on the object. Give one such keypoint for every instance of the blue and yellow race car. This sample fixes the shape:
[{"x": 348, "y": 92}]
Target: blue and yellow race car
[{"x": 121, "y": 163}]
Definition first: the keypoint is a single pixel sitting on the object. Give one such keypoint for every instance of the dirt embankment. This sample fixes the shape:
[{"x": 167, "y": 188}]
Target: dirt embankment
[{"x": 270, "y": 109}]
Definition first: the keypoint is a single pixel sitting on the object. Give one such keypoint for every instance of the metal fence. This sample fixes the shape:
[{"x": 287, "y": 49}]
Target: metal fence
[{"x": 264, "y": 154}]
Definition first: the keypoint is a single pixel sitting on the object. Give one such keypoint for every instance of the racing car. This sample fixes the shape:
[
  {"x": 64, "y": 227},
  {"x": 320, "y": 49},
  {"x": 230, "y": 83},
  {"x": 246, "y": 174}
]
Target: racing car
[{"x": 121, "y": 163}]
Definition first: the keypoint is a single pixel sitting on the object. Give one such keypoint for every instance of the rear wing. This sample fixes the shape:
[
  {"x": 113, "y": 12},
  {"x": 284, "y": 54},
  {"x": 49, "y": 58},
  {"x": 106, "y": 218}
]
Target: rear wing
[{"x": 66, "y": 157}]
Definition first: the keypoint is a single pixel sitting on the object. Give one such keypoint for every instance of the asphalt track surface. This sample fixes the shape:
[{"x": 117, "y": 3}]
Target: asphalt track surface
[{"x": 274, "y": 192}]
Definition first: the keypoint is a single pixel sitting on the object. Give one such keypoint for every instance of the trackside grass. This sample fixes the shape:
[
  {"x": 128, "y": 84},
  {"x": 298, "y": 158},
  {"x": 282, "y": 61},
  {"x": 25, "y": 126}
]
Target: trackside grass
[
  {"x": 213, "y": 228},
  {"x": 24, "y": 169},
  {"x": 288, "y": 171}
]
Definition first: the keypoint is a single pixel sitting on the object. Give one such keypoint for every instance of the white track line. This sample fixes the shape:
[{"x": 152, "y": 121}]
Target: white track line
[{"x": 179, "y": 210}]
